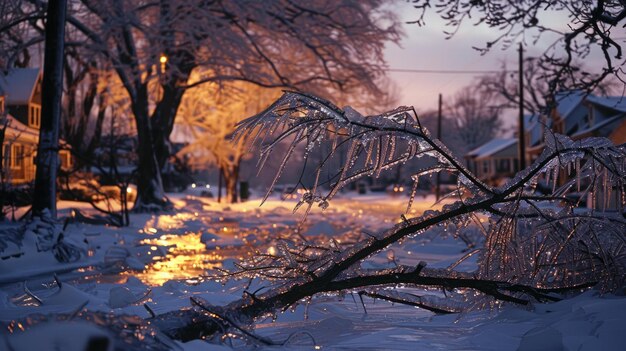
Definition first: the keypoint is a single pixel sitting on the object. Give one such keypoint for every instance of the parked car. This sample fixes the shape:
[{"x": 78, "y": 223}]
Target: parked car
[
  {"x": 113, "y": 192},
  {"x": 199, "y": 189},
  {"x": 396, "y": 189}
]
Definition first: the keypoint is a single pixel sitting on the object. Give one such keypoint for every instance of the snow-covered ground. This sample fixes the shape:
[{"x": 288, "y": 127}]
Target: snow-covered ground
[{"x": 162, "y": 260}]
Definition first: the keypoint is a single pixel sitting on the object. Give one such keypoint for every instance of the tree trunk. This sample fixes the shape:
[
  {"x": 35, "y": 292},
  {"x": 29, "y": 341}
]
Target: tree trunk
[
  {"x": 175, "y": 79},
  {"x": 231, "y": 176},
  {"x": 150, "y": 194},
  {"x": 47, "y": 152},
  {"x": 163, "y": 119}
]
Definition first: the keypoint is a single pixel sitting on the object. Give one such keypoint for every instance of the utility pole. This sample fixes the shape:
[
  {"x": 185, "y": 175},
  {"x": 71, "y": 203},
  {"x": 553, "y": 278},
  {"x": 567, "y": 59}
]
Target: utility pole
[
  {"x": 437, "y": 189},
  {"x": 521, "y": 131},
  {"x": 52, "y": 88}
]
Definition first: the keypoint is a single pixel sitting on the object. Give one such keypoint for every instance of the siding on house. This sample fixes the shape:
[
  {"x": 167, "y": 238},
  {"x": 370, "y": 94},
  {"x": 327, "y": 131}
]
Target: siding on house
[
  {"x": 576, "y": 114},
  {"x": 20, "y": 97}
]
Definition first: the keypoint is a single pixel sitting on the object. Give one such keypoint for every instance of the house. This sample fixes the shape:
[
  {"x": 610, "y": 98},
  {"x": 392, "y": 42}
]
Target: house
[
  {"x": 575, "y": 114},
  {"x": 495, "y": 160},
  {"x": 20, "y": 116},
  {"x": 607, "y": 116}
]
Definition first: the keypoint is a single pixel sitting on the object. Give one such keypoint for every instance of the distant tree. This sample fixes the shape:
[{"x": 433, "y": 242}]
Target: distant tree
[
  {"x": 474, "y": 115},
  {"x": 537, "y": 93},
  {"x": 21, "y": 27},
  {"x": 84, "y": 104},
  {"x": 210, "y": 114},
  {"x": 579, "y": 30}
]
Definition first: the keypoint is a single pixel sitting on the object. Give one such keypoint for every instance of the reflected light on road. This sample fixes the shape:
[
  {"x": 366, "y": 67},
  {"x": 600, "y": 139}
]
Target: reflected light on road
[{"x": 188, "y": 259}]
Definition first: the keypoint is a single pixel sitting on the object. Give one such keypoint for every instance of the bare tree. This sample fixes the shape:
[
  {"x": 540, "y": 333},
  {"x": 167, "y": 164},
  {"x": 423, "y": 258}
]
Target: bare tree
[
  {"x": 211, "y": 114},
  {"x": 574, "y": 30},
  {"x": 475, "y": 116},
  {"x": 530, "y": 251},
  {"x": 537, "y": 93},
  {"x": 20, "y": 30}
]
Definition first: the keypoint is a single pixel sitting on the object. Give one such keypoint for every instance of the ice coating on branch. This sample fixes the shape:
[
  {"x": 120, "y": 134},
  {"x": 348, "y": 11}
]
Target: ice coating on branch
[{"x": 532, "y": 238}]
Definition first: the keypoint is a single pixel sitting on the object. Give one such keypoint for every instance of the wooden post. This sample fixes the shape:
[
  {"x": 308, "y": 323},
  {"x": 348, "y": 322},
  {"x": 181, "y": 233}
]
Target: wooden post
[
  {"x": 521, "y": 131},
  {"x": 438, "y": 188},
  {"x": 52, "y": 89}
]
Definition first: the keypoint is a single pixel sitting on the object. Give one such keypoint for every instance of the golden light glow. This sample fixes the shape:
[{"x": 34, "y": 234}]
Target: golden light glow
[
  {"x": 163, "y": 58},
  {"x": 187, "y": 259}
]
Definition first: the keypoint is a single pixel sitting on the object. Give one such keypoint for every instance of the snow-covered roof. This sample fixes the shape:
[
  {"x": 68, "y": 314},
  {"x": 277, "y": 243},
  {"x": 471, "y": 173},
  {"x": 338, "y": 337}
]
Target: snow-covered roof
[
  {"x": 531, "y": 121},
  {"x": 491, "y": 147},
  {"x": 18, "y": 85},
  {"x": 17, "y": 130},
  {"x": 598, "y": 125},
  {"x": 566, "y": 102},
  {"x": 617, "y": 103}
]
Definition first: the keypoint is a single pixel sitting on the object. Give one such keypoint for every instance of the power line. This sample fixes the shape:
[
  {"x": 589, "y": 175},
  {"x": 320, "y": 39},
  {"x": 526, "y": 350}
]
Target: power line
[{"x": 446, "y": 71}]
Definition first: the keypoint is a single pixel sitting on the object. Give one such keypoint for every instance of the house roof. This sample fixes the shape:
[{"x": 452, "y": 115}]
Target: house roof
[
  {"x": 531, "y": 121},
  {"x": 566, "y": 102},
  {"x": 491, "y": 147},
  {"x": 19, "y": 84},
  {"x": 598, "y": 126},
  {"x": 17, "y": 130},
  {"x": 617, "y": 103}
]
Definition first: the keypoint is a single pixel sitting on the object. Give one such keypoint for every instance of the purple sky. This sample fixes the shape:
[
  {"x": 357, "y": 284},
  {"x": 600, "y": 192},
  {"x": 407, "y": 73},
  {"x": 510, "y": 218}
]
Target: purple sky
[{"x": 426, "y": 48}]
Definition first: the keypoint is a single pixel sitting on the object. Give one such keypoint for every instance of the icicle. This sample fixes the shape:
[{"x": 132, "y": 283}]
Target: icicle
[
  {"x": 412, "y": 196},
  {"x": 577, "y": 175},
  {"x": 556, "y": 178},
  {"x": 392, "y": 148},
  {"x": 368, "y": 156},
  {"x": 349, "y": 156},
  {"x": 605, "y": 192},
  {"x": 569, "y": 168},
  {"x": 381, "y": 158},
  {"x": 281, "y": 168}
]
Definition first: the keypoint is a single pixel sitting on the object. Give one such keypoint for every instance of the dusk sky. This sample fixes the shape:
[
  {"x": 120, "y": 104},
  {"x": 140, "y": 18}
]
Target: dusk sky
[{"x": 426, "y": 48}]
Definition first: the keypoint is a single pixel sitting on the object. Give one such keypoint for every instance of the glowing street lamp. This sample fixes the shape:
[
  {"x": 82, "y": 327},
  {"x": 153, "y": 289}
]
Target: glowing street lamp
[{"x": 163, "y": 59}]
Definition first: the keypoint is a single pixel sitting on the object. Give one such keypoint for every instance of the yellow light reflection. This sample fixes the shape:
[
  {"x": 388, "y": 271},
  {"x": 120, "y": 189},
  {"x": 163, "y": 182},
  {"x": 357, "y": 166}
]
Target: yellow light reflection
[{"x": 188, "y": 258}]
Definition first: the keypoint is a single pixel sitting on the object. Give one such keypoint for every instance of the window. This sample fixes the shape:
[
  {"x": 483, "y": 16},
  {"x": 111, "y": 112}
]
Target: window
[
  {"x": 66, "y": 159},
  {"x": 504, "y": 165},
  {"x": 17, "y": 156},
  {"x": 5, "y": 156},
  {"x": 34, "y": 116}
]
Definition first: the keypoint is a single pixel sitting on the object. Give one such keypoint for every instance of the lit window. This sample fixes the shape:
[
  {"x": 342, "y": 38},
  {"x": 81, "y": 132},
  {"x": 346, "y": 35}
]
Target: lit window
[
  {"x": 17, "y": 156},
  {"x": 66, "y": 159},
  {"x": 34, "y": 116}
]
